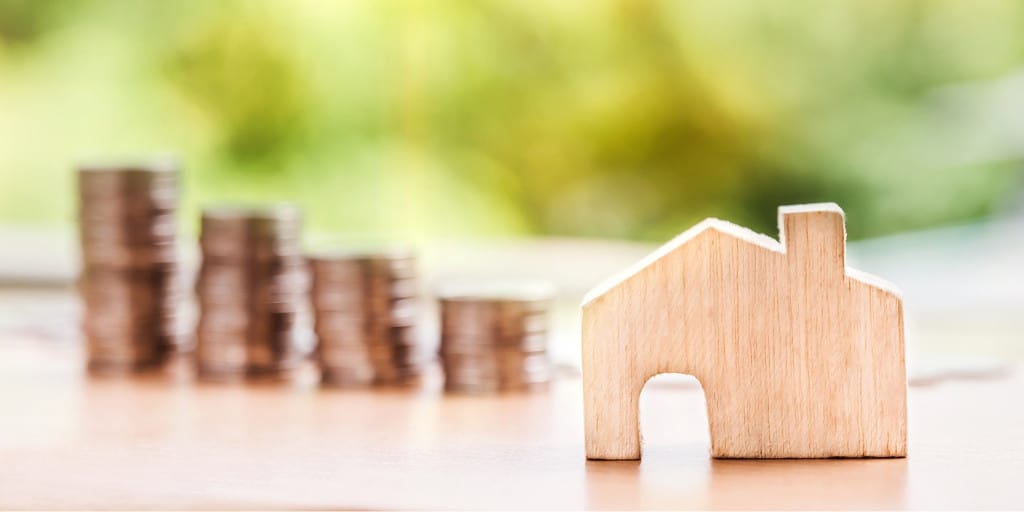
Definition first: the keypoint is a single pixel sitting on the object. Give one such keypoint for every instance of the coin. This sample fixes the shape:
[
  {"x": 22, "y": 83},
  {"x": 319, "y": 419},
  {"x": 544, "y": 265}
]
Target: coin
[
  {"x": 252, "y": 291},
  {"x": 366, "y": 308},
  {"x": 129, "y": 283},
  {"x": 494, "y": 336}
]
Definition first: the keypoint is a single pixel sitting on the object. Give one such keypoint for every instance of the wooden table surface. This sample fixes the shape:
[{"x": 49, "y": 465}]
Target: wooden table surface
[{"x": 68, "y": 441}]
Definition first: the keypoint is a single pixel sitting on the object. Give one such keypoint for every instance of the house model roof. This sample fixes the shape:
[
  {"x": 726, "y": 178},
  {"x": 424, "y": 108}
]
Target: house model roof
[{"x": 727, "y": 228}]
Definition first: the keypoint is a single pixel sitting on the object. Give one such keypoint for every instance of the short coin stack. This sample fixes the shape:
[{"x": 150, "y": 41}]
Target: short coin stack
[
  {"x": 252, "y": 291},
  {"x": 365, "y": 307},
  {"x": 495, "y": 338},
  {"x": 129, "y": 281}
]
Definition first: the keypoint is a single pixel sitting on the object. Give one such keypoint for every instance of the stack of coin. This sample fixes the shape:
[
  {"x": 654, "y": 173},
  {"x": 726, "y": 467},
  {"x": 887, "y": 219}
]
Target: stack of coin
[
  {"x": 365, "y": 308},
  {"x": 252, "y": 291},
  {"x": 494, "y": 337},
  {"x": 129, "y": 281}
]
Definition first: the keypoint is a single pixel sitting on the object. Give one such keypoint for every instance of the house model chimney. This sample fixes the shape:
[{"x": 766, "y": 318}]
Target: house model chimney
[{"x": 814, "y": 236}]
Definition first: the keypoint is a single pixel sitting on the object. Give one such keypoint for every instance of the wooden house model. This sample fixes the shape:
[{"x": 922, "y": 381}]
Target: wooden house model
[{"x": 798, "y": 355}]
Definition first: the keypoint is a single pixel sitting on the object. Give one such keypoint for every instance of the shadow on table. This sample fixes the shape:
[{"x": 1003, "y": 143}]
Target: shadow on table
[
  {"x": 669, "y": 477},
  {"x": 684, "y": 476},
  {"x": 802, "y": 484}
]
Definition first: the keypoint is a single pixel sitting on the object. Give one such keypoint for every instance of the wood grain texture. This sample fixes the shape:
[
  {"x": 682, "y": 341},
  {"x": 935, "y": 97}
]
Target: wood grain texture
[
  {"x": 798, "y": 356},
  {"x": 73, "y": 443}
]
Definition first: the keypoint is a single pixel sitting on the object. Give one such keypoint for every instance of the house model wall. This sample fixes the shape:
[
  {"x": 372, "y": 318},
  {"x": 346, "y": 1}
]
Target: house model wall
[{"x": 798, "y": 355}]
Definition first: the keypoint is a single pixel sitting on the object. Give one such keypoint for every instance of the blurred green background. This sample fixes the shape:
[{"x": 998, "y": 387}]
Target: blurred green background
[{"x": 598, "y": 118}]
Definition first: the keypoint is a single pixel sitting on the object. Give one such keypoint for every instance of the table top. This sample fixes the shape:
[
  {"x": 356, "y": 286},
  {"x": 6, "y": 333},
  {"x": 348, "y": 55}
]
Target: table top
[{"x": 71, "y": 441}]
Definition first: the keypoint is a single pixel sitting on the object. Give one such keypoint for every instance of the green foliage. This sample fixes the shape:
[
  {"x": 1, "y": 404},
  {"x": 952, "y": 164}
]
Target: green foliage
[
  {"x": 24, "y": 22},
  {"x": 625, "y": 118},
  {"x": 239, "y": 72}
]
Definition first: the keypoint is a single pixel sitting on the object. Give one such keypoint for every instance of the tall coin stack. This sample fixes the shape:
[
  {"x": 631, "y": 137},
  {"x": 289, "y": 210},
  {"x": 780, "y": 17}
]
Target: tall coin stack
[
  {"x": 252, "y": 292},
  {"x": 365, "y": 307},
  {"x": 495, "y": 338},
  {"x": 129, "y": 281}
]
